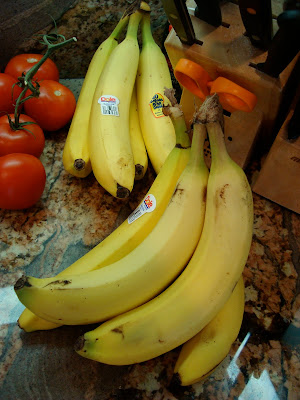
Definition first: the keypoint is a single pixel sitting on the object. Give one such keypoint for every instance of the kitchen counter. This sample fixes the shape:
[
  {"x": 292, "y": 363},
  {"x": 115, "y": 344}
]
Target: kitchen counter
[{"x": 74, "y": 215}]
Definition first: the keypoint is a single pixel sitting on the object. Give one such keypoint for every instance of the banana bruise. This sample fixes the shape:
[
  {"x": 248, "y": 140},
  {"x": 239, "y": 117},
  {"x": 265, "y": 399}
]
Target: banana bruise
[
  {"x": 139, "y": 152},
  {"x": 152, "y": 78},
  {"x": 202, "y": 289},
  {"x": 109, "y": 137},
  {"x": 128, "y": 235},
  {"x": 202, "y": 354},
  {"x": 143, "y": 273},
  {"x": 76, "y": 155}
]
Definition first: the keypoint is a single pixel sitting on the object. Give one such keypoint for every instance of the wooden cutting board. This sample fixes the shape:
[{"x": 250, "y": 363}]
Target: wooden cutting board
[{"x": 279, "y": 178}]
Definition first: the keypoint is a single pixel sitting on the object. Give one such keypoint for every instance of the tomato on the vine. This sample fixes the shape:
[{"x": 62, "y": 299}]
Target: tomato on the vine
[
  {"x": 53, "y": 108},
  {"x": 27, "y": 138},
  {"x": 9, "y": 92},
  {"x": 22, "y": 181},
  {"x": 23, "y": 62}
]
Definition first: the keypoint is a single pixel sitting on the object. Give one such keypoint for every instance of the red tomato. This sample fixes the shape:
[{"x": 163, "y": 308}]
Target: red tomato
[
  {"x": 22, "y": 181},
  {"x": 23, "y": 62},
  {"x": 20, "y": 140},
  {"x": 54, "y": 107},
  {"x": 8, "y": 93}
]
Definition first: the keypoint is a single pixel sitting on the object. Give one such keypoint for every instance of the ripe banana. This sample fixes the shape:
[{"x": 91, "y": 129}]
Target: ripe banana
[
  {"x": 98, "y": 295},
  {"x": 128, "y": 235},
  {"x": 76, "y": 156},
  {"x": 201, "y": 355},
  {"x": 152, "y": 77},
  {"x": 199, "y": 293},
  {"x": 139, "y": 152},
  {"x": 109, "y": 137}
]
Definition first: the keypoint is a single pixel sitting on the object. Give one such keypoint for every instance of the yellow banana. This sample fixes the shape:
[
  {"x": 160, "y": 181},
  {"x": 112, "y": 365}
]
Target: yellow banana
[
  {"x": 109, "y": 137},
  {"x": 128, "y": 235},
  {"x": 76, "y": 156},
  {"x": 98, "y": 295},
  {"x": 152, "y": 78},
  {"x": 199, "y": 293},
  {"x": 200, "y": 356},
  {"x": 139, "y": 152}
]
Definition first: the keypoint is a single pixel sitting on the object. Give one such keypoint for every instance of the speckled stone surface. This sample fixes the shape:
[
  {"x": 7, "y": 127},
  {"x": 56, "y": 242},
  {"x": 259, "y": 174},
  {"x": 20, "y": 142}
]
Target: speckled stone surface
[
  {"x": 91, "y": 21},
  {"x": 74, "y": 215}
]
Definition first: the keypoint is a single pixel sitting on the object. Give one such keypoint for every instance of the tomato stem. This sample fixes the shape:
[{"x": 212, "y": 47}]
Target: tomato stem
[{"x": 53, "y": 41}]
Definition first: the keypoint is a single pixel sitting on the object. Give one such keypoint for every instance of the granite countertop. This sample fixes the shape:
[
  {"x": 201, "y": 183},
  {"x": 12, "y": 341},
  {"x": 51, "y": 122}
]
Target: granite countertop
[{"x": 73, "y": 216}]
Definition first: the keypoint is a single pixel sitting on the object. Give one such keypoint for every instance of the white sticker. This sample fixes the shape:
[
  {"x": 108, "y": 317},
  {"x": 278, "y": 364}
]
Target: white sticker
[
  {"x": 147, "y": 205},
  {"x": 109, "y": 105}
]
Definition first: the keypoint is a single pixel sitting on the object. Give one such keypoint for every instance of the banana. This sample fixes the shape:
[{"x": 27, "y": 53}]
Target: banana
[
  {"x": 128, "y": 235},
  {"x": 201, "y": 355},
  {"x": 109, "y": 137},
  {"x": 139, "y": 152},
  {"x": 198, "y": 294},
  {"x": 152, "y": 77},
  {"x": 98, "y": 295},
  {"x": 76, "y": 157}
]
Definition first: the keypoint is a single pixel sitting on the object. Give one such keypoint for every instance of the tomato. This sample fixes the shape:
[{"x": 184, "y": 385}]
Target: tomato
[
  {"x": 22, "y": 181},
  {"x": 20, "y": 140},
  {"x": 8, "y": 93},
  {"x": 54, "y": 107},
  {"x": 23, "y": 62}
]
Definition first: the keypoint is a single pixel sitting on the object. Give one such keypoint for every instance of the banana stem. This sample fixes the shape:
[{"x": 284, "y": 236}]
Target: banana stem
[
  {"x": 217, "y": 143},
  {"x": 133, "y": 25},
  {"x": 197, "y": 153},
  {"x": 119, "y": 27},
  {"x": 210, "y": 114},
  {"x": 146, "y": 30},
  {"x": 177, "y": 117}
]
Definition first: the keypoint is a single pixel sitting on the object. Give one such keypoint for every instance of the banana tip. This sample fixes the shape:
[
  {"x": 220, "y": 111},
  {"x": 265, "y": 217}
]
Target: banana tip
[
  {"x": 21, "y": 282},
  {"x": 139, "y": 171},
  {"x": 79, "y": 164},
  {"x": 122, "y": 192},
  {"x": 79, "y": 344},
  {"x": 144, "y": 6}
]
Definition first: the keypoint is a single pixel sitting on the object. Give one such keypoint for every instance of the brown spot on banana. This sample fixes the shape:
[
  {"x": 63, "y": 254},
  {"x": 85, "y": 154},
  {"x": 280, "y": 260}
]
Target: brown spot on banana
[
  {"x": 222, "y": 192},
  {"x": 59, "y": 282},
  {"x": 119, "y": 330}
]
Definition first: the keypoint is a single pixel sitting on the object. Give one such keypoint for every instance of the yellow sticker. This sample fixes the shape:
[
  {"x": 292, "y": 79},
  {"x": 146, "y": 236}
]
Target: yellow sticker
[{"x": 156, "y": 105}]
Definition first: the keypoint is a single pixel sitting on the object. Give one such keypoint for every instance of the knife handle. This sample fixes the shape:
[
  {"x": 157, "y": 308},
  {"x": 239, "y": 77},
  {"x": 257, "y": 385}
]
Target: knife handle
[
  {"x": 285, "y": 44},
  {"x": 180, "y": 20},
  {"x": 257, "y": 19},
  {"x": 209, "y": 11}
]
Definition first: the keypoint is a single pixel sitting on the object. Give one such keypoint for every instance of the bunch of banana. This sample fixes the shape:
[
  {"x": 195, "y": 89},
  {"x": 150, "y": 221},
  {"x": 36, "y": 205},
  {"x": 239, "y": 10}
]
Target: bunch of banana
[
  {"x": 132, "y": 231},
  {"x": 142, "y": 274},
  {"x": 116, "y": 126},
  {"x": 202, "y": 289},
  {"x": 180, "y": 283},
  {"x": 76, "y": 156},
  {"x": 109, "y": 136}
]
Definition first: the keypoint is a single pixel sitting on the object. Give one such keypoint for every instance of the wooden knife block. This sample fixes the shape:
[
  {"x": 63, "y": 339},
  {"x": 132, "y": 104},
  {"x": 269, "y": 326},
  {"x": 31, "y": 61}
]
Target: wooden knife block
[
  {"x": 227, "y": 52},
  {"x": 279, "y": 178},
  {"x": 240, "y": 130}
]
